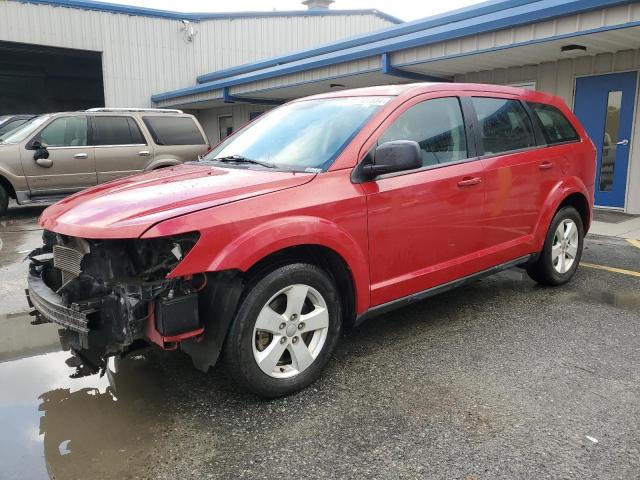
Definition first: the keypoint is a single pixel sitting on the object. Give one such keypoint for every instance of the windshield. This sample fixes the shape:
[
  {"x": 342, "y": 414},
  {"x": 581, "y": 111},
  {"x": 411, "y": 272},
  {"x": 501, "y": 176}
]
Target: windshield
[
  {"x": 22, "y": 132},
  {"x": 302, "y": 136}
]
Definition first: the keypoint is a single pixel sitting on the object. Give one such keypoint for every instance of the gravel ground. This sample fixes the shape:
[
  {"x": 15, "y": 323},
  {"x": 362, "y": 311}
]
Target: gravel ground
[{"x": 500, "y": 379}]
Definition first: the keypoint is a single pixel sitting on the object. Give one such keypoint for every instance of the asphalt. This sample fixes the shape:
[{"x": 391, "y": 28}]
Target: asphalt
[{"x": 500, "y": 379}]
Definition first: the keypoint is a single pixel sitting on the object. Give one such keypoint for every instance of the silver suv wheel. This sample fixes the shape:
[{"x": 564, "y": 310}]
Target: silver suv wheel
[{"x": 290, "y": 331}]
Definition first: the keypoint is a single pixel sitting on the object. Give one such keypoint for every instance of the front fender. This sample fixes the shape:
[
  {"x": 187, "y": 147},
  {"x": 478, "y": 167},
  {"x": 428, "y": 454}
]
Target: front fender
[
  {"x": 558, "y": 194},
  {"x": 247, "y": 249}
]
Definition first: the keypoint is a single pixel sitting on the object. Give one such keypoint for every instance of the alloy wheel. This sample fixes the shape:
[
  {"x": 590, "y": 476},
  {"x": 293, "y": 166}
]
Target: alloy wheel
[{"x": 290, "y": 331}]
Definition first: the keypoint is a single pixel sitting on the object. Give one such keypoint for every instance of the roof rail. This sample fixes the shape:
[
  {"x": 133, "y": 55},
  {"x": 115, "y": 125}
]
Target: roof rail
[{"x": 150, "y": 110}]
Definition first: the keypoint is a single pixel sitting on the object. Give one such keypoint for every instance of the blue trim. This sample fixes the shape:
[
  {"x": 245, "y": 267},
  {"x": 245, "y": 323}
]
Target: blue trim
[
  {"x": 228, "y": 98},
  {"x": 522, "y": 15},
  {"x": 198, "y": 17},
  {"x": 364, "y": 39},
  {"x": 195, "y": 103},
  {"x": 388, "y": 69}
]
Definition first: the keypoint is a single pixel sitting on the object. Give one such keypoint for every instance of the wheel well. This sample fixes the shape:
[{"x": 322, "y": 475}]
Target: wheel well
[
  {"x": 320, "y": 256},
  {"x": 579, "y": 202},
  {"x": 8, "y": 187}
]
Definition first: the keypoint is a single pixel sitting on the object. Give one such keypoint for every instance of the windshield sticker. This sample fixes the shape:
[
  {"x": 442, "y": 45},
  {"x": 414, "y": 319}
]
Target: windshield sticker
[
  {"x": 312, "y": 170},
  {"x": 366, "y": 100}
]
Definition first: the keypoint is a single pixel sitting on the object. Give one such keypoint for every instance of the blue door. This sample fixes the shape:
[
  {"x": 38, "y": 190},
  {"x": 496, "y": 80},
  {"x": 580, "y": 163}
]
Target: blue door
[{"x": 605, "y": 105}]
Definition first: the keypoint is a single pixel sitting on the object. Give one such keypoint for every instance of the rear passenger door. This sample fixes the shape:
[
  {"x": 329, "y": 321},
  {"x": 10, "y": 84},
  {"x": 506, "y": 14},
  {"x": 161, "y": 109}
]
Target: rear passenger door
[
  {"x": 513, "y": 197},
  {"x": 176, "y": 138},
  {"x": 120, "y": 147}
]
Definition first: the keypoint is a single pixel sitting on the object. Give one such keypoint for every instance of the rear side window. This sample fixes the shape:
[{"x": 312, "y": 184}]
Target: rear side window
[
  {"x": 117, "y": 131},
  {"x": 437, "y": 126},
  {"x": 554, "y": 125},
  {"x": 504, "y": 125},
  {"x": 174, "y": 130}
]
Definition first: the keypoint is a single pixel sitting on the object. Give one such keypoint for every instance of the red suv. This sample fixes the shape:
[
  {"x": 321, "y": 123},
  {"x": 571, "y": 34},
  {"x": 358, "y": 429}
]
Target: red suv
[{"x": 317, "y": 215}]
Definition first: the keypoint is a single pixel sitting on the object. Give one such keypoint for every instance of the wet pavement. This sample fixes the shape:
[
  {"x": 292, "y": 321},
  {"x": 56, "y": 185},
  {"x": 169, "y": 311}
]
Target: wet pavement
[{"x": 500, "y": 379}]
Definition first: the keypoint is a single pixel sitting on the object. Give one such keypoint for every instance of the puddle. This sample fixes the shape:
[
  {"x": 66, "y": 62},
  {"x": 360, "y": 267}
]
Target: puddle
[{"x": 92, "y": 427}]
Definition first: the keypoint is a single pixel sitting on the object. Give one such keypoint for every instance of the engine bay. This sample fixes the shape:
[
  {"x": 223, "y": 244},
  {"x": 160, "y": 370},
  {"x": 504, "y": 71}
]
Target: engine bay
[{"x": 112, "y": 296}]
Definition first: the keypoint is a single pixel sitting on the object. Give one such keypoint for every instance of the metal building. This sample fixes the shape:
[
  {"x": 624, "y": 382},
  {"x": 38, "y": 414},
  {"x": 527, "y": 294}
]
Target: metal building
[
  {"x": 70, "y": 54},
  {"x": 586, "y": 51}
]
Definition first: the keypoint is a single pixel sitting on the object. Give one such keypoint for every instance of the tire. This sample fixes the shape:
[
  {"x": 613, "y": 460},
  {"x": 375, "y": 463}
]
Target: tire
[
  {"x": 273, "y": 347},
  {"x": 562, "y": 250},
  {"x": 4, "y": 201}
]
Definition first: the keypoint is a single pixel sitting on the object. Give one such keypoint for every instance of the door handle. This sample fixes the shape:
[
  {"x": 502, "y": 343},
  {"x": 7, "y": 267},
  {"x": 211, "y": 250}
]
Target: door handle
[
  {"x": 623, "y": 142},
  {"x": 80, "y": 155},
  {"x": 144, "y": 153},
  {"x": 469, "y": 182},
  {"x": 545, "y": 166}
]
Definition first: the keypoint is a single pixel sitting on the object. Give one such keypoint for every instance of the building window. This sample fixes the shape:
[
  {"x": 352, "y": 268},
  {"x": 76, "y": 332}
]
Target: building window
[{"x": 225, "y": 126}]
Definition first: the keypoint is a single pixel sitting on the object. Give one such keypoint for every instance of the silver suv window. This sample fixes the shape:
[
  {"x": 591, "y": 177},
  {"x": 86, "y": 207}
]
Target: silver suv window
[
  {"x": 168, "y": 130},
  {"x": 65, "y": 132},
  {"x": 116, "y": 131}
]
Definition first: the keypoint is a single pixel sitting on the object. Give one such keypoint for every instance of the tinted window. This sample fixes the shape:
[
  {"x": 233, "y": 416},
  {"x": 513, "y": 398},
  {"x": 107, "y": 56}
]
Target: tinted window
[
  {"x": 116, "y": 131},
  {"x": 438, "y": 128},
  {"x": 174, "y": 130},
  {"x": 554, "y": 125},
  {"x": 11, "y": 125},
  {"x": 65, "y": 132},
  {"x": 504, "y": 125}
]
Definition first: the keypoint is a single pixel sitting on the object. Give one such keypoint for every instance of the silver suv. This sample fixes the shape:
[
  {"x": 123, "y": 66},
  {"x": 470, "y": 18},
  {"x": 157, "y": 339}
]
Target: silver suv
[{"x": 54, "y": 155}]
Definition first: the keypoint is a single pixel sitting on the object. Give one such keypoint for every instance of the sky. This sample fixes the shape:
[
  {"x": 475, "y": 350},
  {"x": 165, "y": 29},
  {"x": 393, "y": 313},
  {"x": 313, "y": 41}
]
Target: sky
[{"x": 403, "y": 9}]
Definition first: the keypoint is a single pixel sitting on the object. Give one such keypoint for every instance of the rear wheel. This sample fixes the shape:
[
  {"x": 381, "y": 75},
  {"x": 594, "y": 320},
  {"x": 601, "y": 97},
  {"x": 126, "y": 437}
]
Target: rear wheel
[
  {"x": 562, "y": 250},
  {"x": 4, "y": 200},
  {"x": 285, "y": 330}
]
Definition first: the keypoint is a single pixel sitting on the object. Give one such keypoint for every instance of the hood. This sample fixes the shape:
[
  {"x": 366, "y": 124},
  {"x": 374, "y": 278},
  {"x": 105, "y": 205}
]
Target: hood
[{"x": 126, "y": 208}]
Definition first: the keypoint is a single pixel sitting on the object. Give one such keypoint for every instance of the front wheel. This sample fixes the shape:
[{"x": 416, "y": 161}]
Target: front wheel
[
  {"x": 285, "y": 330},
  {"x": 562, "y": 250}
]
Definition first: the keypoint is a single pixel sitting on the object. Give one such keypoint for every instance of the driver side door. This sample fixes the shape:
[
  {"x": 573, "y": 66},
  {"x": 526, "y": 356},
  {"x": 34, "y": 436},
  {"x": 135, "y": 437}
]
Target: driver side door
[
  {"x": 72, "y": 160},
  {"x": 425, "y": 225}
]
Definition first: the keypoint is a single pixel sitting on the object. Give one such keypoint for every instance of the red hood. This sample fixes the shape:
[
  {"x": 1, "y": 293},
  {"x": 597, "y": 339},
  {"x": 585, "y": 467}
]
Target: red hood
[{"x": 126, "y": 208}]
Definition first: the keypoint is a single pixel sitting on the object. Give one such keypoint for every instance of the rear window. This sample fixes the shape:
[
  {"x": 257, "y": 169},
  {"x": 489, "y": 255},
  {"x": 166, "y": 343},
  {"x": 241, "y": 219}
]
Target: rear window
[
  {"x": 167, "y": 130},
  {"x": 504, "y": 125},
  {"x": 554, "y": 125},
  {"x": 117, "y": 131}
]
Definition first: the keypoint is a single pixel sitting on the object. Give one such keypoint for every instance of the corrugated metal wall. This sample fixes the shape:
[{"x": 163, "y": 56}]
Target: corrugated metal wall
[{"x": 143, "y": 55}]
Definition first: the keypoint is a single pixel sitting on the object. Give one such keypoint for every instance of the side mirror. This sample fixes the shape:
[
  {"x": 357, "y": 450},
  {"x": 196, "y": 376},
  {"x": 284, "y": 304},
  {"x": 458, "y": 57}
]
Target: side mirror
[
  {"x": 396, "y": 156},
  {"x": 41, "y": 155}
]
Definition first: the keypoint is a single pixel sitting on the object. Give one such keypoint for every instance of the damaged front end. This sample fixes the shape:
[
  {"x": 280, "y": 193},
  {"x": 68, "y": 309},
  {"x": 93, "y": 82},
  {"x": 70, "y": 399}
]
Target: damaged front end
[{"x": 112, "y": 296}]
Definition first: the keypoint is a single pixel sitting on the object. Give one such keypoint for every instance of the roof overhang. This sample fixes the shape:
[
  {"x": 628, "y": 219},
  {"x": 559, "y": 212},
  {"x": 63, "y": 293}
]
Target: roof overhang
[{"x": 435, "y": 48}]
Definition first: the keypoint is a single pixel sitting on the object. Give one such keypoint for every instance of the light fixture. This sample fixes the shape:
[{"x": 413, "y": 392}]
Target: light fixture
[{"x": 573, "y": 48}]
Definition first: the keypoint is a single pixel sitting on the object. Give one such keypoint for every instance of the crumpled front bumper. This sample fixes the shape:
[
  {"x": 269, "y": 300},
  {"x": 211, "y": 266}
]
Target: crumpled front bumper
[{"x": 51, "y": 306}]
